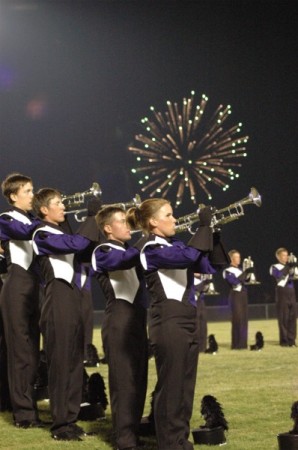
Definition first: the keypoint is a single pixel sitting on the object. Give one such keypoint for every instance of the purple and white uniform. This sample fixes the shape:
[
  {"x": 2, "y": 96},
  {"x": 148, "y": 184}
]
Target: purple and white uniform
[
  {"x": 238, "y": 300},
  {"x": 286, "y": 305},
  {"x": 169, "y": 266},
  {"x": 19, "y": 303},
  {"x": 124, "y": 335},
  {"x": 61, "y": 320}
]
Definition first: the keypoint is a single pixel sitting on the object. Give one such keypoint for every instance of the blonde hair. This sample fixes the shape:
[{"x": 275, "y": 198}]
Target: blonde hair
[
  {"x": 279, "y": 251},
  {"x": 139, "y": 216},
  {"x": 232, "y": 253}
]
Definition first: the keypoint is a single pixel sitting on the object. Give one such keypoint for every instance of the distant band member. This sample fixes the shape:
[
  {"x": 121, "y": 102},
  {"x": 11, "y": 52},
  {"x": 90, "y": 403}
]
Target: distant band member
[
  {"x": 238, "y": 300},
  {"x": 283, "y": 273}
]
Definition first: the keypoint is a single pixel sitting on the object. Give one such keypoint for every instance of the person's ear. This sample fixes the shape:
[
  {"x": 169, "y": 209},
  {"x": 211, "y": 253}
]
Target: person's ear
[
  {"x": 13, "y": 197},
  {"x": 153, "y": 222},
  {"x": 44, "y": 210},
  {"x": 107, "y": 229}
]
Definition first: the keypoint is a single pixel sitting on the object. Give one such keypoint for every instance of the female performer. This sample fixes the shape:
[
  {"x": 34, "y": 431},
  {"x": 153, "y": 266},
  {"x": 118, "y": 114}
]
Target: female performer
[{"x": 169, "y": 267}]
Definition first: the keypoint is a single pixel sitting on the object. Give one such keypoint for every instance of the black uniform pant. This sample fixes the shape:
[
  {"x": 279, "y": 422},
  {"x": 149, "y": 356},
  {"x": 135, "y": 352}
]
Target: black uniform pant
[
  {"x": 239, "y": 309},
  {"x": 87, "y": 311},
  {"x": 202, "y": 325},
  {"x": 19, "y": 302},
  {"x": 4, "y": 387},
  {"x": 286, "y": 314},
  {"x": 174, "y": 338},
  {"x": 125, "y": 346},
  {"x": 62, "y": 328}
]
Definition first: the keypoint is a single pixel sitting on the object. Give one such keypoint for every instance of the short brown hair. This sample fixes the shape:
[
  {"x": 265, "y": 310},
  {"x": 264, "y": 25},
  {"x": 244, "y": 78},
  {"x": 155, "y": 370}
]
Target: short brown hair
[
  {"x": 105, "y": 215},
  {"x": 12, "y": 183},
  {"x": 139, "y": 216},
  {"x": 43, "y": 198}
]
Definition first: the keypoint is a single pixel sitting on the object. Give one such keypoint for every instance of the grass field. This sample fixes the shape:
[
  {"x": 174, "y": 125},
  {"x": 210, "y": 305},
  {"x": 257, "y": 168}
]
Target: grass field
[{"x": 256, "y": 390}]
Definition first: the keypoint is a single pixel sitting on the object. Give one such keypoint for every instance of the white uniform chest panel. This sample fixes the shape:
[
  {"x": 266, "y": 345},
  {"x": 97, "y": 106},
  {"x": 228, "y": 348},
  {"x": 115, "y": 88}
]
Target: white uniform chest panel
[
  {"x": 21, "y": 252},
  {"x": 125, "y": 284},
  {"x": 237, "y": 272},
  {"x": 283, "y": 281},
  {"x": 62, "y": 264},
  {"x": 174, "y": 282}
]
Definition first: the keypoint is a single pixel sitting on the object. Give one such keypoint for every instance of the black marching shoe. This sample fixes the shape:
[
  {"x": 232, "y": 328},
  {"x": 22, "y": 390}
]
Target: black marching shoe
[
  {"x": 30, "y": 424},
  {"x": 79, "y": 431},
  {"x": 68, "y": 435}
]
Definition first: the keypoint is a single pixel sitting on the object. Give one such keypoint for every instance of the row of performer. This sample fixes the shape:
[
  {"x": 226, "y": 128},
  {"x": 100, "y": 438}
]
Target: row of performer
[
  {"x": 45, "y": 260},
  {"x": 239, "y": 277}
]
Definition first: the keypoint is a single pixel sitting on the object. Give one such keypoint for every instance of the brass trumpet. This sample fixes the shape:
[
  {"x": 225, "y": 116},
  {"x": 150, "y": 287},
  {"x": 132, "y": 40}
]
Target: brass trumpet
[
  {"x": 74, "y": 200},
  {"x": 220, "y": 216},
  {"x": 136, "y": 201}
]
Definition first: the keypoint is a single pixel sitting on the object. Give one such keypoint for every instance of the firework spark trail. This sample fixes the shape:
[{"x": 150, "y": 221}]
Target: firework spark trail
[{"x": 184, "y": 150}]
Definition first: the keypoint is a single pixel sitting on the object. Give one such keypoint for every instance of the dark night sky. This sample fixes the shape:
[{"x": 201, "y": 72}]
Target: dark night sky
[{"x": 77, "y": 77}]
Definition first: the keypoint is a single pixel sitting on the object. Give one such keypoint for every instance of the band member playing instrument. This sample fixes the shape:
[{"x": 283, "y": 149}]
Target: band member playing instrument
[
  {"x": 61, "y": 314},
  {"x": 283, "y": 273},
  {"x": 169, "y": 267},
  {"x": 238, "y": 299},
  {"x": 123, "y": 330},
  {"x": 19, "y": 300}
]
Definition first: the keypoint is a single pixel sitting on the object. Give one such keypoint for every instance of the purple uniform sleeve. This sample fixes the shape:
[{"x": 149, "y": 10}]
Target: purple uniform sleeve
[
  {"x": 178, "y": 256},
  {"x": 231, "y": 278},
  {"x": 278, "y": 274},
  {"x": 11, "y": 228},
  {"x": 61, "y": 244},
  {"x": 109, "y": 259}
]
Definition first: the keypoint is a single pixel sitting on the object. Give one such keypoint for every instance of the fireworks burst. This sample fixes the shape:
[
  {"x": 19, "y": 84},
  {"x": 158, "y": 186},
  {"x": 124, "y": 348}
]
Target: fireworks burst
[{"x": 187, "y": 151}]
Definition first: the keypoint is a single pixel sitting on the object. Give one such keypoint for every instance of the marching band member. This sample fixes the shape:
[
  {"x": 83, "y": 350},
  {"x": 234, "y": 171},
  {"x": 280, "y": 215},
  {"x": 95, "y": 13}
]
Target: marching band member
[
  {"x": 19, "y": 300},
  {"x": 123, "y": 330},
  {"x": 236, "y": 279},
  {"x": 169, "y": 266},
  {"x": 61, "y": 314},
  {"x": 283, "y": 273}
]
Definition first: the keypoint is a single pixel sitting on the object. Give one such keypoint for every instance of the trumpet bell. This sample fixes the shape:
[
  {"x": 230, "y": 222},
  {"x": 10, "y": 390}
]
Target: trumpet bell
[
  {"x": 254, "y": 197},
  {"x": 235, "y": 210},
  {"x": 74, "y": 200}
]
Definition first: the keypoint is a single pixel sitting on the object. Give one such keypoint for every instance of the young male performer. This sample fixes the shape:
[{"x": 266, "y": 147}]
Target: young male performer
[
  {"x": 19, "y": 300},
  {"x": 283, "y": 273},
  {"x": 124, "y": 327},
  {"x": 236, "y": 279},
  {"x": 61, "y": 315}
]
